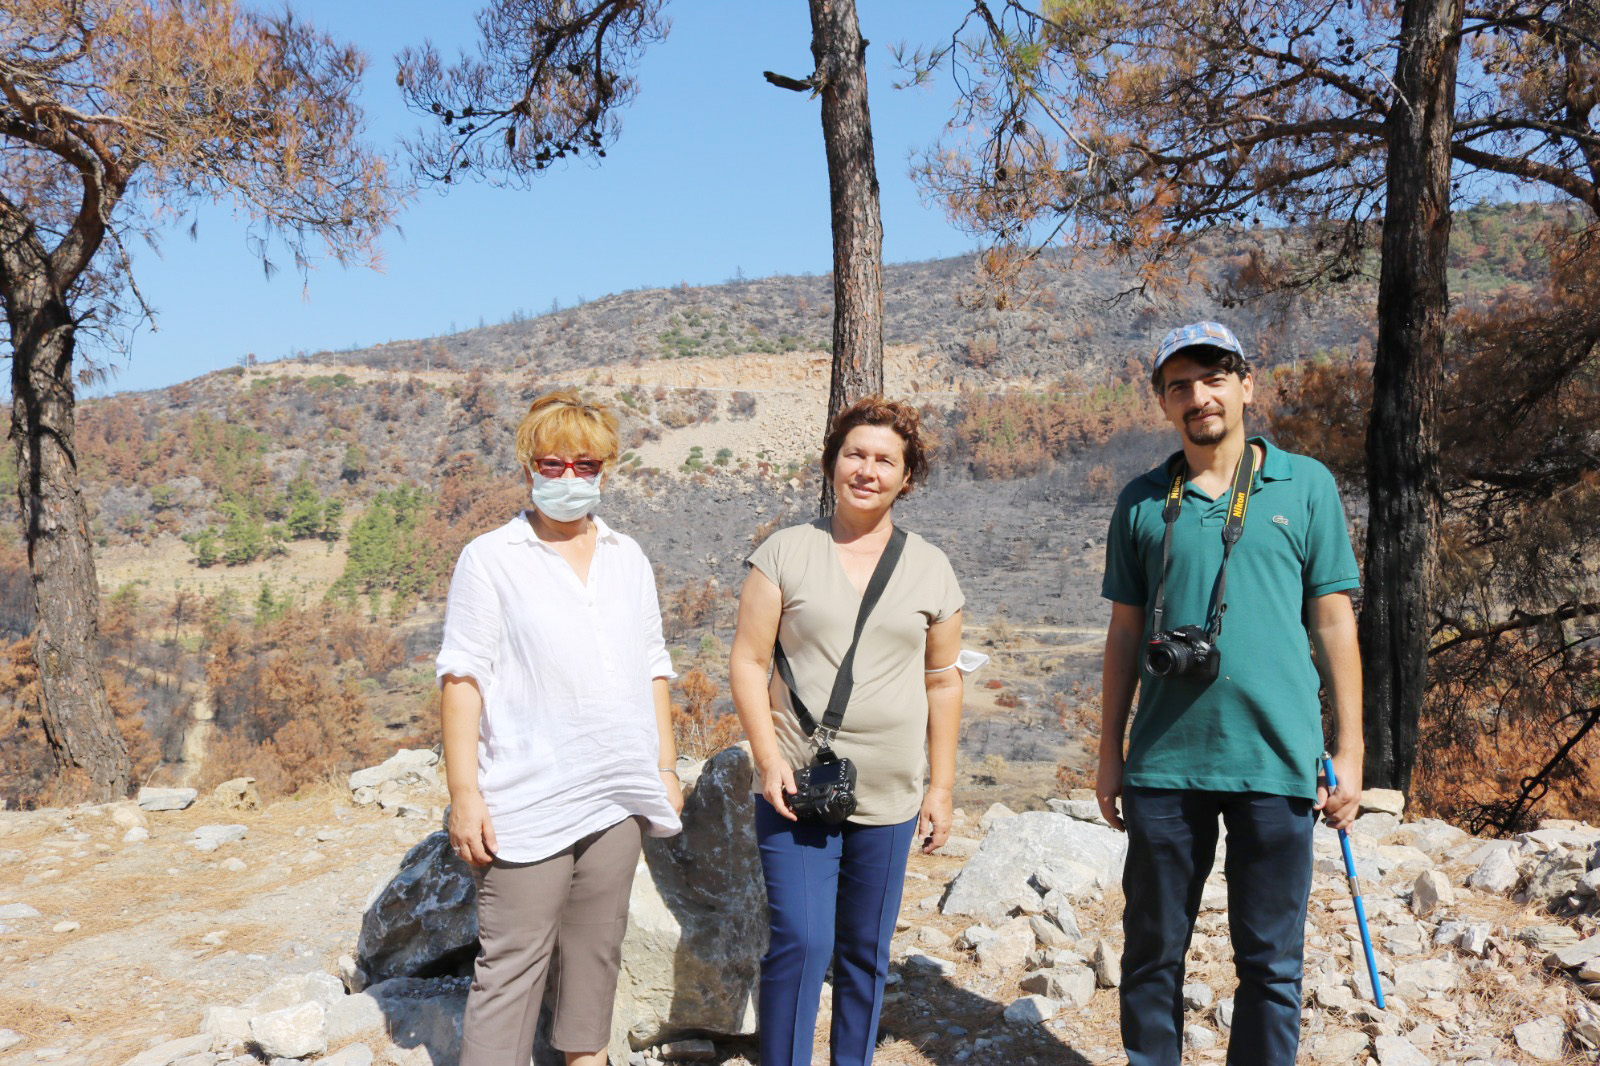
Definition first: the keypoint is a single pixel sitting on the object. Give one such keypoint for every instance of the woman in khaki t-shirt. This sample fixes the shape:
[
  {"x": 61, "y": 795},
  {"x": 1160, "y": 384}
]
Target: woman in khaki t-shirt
[{"x": 833, "y": 891}]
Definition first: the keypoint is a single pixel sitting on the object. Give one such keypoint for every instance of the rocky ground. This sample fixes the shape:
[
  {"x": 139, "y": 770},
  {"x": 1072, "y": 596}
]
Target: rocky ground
[{"x": 206, "y": 931}]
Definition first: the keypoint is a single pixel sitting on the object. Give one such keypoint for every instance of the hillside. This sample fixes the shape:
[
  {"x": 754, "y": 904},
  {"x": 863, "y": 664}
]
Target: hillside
[{"x": 244, "y": 516}]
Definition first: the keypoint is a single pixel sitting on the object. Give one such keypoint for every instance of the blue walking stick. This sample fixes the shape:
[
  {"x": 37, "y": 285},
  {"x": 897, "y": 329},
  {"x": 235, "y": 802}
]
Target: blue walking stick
[{"x": 1355, "y": 890}]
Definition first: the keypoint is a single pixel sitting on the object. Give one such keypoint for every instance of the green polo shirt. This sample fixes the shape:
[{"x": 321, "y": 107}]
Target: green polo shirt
[{"x": 1258, "y": 726}]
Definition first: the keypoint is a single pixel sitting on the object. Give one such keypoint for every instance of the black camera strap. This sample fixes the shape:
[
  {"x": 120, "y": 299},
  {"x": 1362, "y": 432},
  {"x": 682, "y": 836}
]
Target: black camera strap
[
  {"x": 844, "y": 680},
  {"x": 1238, "y": 503}
]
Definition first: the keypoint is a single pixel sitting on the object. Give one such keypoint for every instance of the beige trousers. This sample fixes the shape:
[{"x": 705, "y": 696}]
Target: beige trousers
[{"x": 575, "y": 901}]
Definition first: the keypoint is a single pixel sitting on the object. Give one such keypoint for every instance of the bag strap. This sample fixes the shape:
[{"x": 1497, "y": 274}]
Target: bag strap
[
  {"x": 844, "y": 680},
  {"x": 1238, "y": 503}
]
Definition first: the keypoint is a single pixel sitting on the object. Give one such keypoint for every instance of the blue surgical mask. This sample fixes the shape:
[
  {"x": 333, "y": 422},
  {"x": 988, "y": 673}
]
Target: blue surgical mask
[{"x": 563, "y": 499}]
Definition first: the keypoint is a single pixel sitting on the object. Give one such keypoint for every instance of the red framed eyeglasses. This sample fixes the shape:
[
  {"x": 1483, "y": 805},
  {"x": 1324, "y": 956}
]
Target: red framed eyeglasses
[{"x": 553, "y": 467}]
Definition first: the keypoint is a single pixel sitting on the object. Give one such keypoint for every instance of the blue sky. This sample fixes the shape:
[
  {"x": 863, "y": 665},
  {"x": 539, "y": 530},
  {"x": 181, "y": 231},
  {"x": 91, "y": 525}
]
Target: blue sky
[{"x": 715, "y": 172}]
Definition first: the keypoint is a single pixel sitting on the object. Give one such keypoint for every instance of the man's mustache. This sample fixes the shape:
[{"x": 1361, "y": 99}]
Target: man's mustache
[{"x": 1201, "y": 412}]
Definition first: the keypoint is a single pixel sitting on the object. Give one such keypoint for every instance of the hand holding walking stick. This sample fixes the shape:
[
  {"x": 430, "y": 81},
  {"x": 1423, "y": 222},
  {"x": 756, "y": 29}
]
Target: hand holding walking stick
[{"x": 1355, "y": 890}]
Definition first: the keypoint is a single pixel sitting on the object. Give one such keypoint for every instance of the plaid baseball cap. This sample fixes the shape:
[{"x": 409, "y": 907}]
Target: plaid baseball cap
[{"x": 1210, "y": 334}]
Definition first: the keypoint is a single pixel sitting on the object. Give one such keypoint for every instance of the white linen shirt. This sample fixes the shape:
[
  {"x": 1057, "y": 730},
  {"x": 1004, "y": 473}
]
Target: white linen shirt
[{"x": 567, "y": 742}]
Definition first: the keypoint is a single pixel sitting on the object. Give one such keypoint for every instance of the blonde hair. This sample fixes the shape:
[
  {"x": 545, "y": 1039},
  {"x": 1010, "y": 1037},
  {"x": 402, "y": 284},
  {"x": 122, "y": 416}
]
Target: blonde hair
[{"x": 562, "y": 422}]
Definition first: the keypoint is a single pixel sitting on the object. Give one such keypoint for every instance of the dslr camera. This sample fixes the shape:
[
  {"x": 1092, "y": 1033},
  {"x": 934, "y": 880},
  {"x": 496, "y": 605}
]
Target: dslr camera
[
  {"x": 825, "y": 791},
  {"x": 1186, "y": 651}
]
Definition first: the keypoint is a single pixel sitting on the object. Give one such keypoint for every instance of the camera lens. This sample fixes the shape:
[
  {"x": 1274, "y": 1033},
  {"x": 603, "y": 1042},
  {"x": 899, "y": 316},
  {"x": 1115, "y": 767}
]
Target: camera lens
[{"x": 1167, "y": 658}]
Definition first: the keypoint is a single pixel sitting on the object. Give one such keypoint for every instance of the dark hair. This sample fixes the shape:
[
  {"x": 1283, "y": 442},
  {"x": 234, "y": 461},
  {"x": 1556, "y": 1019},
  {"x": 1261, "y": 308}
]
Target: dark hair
[
  {"x": 877, "y": 411},
  {"x": 1209, "y": 356}
]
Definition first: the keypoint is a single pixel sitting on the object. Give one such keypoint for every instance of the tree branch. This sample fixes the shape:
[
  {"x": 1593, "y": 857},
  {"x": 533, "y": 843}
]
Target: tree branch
[
  {"x": 808, "y": 84},
  {"x": 1564, "y": 613}
]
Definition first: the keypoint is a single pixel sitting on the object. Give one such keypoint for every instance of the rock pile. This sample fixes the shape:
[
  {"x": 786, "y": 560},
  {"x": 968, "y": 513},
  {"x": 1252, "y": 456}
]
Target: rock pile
[{"x": 1007, "y": 947}]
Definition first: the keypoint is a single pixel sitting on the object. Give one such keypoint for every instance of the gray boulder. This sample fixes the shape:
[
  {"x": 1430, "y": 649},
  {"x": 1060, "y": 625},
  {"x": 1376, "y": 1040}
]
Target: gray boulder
[
  {"x": 1497, "y": 873},
  {"x": 697, "y": 920},
  {"x": 424, "y": 920},
  {"x": 293, "y": 1032},
  {"x": 1035, "y": 852},
  {"x": 408, "y": 766},
  {"x": 166, "y": 799},
  {"x": 1555, "y": 878}
]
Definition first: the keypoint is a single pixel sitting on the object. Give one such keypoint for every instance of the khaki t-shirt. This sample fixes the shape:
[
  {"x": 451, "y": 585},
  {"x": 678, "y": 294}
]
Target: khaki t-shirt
[{"x": 886, "y": 721}]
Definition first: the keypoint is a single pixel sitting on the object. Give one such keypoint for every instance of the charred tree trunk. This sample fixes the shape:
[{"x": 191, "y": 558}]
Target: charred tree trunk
[
  {"x": 841, "y": 79},
  {"x": 78, "y": 721},
  {"x": 1402, "y": 444}
]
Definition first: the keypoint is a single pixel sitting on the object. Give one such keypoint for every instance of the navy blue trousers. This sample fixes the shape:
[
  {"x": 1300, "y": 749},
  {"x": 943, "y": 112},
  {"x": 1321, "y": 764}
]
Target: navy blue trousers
[
  {"x": 833, "y": 892},
  {"x": 1172, "y": 840}
]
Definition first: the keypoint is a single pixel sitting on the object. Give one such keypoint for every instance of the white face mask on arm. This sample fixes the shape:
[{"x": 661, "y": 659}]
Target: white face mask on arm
[{"x": 563, "y": 499}]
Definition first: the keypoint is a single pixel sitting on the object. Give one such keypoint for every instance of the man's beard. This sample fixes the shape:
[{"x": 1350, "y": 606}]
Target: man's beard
[{"x": 1205, "y": 432}]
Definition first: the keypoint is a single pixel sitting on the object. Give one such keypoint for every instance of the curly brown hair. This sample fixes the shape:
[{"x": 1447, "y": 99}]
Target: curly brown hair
[{"x": 877, "y": 411}]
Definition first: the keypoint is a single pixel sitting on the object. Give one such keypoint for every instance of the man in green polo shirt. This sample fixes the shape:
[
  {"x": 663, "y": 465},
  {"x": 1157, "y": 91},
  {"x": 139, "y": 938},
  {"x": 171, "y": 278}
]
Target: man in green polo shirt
[{"x": 1229, "y": 720}]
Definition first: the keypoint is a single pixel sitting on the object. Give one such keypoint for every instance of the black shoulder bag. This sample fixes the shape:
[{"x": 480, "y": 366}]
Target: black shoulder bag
[{"x": 826, "y": 789}]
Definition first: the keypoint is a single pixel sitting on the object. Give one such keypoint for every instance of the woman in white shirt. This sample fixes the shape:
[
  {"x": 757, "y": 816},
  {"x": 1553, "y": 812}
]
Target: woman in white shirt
[{"x": 557, "y": 741}]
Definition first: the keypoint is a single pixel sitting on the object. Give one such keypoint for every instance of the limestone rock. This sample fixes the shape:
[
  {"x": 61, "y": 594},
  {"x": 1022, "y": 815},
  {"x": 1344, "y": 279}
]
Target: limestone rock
[
  {"x": 1009, "y": 948},
  {"x": 1497, "y": 874},
  {"x": 1544, "y": 1038},
  {"x": 170, "y": 1051},
  {"x": 293, "y": 1032},
  {"x": 1573, "y": 956},
  {"x": 10, "y": 1038},
  {"x": 1431, "y": 836},
  {"x": 354, "y": 1055},
  {"x": 10, "y": 912},
  {"x": 1224, "y": 1013},
  {"x": 1049, "y": 934},
  {"x": 1470, "y": 937},
  {"x": 295, "y": 989},
  {"x": 1032, "y": 1010},
  {"x": 127, "y": 815},
  {"x": 1032, "y": 852},
  {"x": 697, "y": 924},
  {"x": 352, "y": 1015},
  {"x": 137, "y": 835},
  {"x": 1548, "y": 937},
  {"x": 211, "y": 837},
  {"x": 1341, "y": 1046},
  {"x": 1427, "y": 975},
  {"x": 959, "y": 847},
  {"x": 1389, "y": 858},
  {"x": 1198, "y": 996},
  {"x": 1070, "y": 986},
  {"x": 1586, "y": 1023},
  {"x": 1054, "y": 906},
  {"x": 239, "y": 794},
  {"x": 689, "y": 1051},
  {"x": 1431, "y": 891},
  {"x": 1198, "y": 1038},
  {"x": 1383, "y": 801},
  {"x": 1398, "y": 1051},
  {"x": 921, "y": 962},
  {"x": 230, "y": 1023},
  {"x": 408, "y": 766},
  {"x": 1555, "y": 877},
  {"x": 166, "y": 799},
  {"x": 1107, "y": 965},
  {"x": 1084, "y": 810},
  {"x": 996, "y": 812}
]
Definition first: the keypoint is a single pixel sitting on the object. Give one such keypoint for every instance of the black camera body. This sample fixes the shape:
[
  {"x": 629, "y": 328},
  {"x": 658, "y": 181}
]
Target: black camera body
[
  {"x": 825, "y": 790},
  {"x": 1186, "y": 651}
]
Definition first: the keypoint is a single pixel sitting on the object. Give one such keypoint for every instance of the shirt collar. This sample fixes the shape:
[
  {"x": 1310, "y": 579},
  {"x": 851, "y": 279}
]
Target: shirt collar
[
  {"x": 1275, "y": 465},
  {"x": 519, "y": 530}
]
